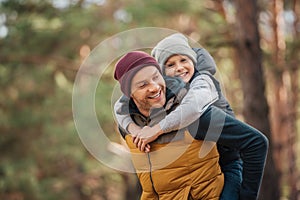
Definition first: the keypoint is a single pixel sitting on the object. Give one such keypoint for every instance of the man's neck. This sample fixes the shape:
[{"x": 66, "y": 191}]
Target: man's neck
[{"x": 144, "y": 112}]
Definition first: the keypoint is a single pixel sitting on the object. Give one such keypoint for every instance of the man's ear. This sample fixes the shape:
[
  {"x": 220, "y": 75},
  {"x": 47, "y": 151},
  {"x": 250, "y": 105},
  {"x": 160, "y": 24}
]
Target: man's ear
[{"x": 131, "y": 96}]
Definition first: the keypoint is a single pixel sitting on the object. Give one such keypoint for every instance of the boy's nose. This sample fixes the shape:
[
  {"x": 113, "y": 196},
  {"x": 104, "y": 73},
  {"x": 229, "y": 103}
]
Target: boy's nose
[{"x": 179, "y": 67}]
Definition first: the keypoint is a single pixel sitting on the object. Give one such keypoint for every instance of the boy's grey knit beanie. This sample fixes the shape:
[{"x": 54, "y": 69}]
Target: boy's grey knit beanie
[{"x": 174, "y": 44}]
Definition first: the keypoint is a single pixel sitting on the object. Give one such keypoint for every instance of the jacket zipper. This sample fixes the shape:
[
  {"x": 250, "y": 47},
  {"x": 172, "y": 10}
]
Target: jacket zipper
[{"x": 150, "y": 164}]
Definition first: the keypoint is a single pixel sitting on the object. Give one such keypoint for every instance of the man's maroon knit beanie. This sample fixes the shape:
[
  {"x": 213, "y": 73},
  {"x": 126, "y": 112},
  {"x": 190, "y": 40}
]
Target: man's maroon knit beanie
[{"x": 128, "y": 65}]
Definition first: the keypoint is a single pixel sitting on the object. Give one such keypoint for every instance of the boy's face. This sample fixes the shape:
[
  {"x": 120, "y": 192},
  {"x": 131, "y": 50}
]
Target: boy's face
[
  {"x": 180, "y": 66},
  {"x": 148, "y": 89}
]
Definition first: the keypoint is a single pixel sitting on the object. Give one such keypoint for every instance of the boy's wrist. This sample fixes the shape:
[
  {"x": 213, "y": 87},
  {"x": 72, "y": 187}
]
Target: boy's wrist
[
  {"x": 133, "y": 129},
  {"x": 158, "y": 130}
]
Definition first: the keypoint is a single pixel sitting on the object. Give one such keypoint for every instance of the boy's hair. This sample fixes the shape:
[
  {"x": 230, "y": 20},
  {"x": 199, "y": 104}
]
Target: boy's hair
[{"x": 172, "y": 45}]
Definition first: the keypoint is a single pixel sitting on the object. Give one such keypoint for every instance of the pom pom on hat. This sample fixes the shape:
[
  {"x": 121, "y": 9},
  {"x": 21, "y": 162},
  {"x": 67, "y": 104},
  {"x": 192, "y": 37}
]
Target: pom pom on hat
[
  {"x": 174, "y": 44},
  {"x": 128, "y": 65}
]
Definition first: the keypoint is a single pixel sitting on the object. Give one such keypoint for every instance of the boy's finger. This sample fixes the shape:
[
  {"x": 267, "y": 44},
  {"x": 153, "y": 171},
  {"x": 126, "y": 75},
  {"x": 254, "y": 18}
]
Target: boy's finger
[
  {"x": 139, "y": 145},
  {"x": 133, "y": 138},
  {"x": 147, "y": 149},
  {"x": 136, "y": 140},
  {"x": 143, "y": 146}
]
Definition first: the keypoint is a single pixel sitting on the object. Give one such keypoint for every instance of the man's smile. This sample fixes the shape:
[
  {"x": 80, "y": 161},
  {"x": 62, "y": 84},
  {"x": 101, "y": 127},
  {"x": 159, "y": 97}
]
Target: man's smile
[{"x": 155, "y": 96}]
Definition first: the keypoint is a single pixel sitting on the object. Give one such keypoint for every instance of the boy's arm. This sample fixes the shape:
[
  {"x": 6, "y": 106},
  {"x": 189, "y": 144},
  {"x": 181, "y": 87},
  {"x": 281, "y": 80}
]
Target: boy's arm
[
  {"x": 201, "y": 95},
  {"x": 121, "y": 111}
]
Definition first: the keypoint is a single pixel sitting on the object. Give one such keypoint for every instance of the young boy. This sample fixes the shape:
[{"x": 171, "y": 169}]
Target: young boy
[
  {"x": 176, "y": 58},
  {"x": 195, "y": 68}
]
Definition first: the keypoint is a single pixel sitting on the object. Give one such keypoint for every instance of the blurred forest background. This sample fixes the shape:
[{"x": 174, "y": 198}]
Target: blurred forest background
[{"x": 43, "y": 43}]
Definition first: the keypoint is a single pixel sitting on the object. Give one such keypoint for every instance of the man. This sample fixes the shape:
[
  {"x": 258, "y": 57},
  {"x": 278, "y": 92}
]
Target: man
[{"x": 173, "y": 168}]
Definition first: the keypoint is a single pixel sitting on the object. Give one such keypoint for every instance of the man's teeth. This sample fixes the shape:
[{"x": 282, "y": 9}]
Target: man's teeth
[{"x": 155, "y": 96}]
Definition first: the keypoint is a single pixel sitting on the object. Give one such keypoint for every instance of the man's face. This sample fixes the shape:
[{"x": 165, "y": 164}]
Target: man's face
[
  {"x": 148, "y": 89},
  {"x": 180, "y": 66}
]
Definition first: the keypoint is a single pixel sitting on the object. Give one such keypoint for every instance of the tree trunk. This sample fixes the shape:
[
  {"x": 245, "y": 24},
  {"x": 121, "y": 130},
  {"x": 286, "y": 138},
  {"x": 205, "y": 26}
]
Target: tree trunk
[
  {"x": 283, "y": 83},
  {"x": 294, "y": 72},
  {"x": 256, "y": 109}
]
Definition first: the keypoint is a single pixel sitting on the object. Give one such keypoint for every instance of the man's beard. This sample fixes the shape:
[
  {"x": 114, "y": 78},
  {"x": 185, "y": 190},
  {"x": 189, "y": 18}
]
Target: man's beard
[{"x": 145, "y": 104}]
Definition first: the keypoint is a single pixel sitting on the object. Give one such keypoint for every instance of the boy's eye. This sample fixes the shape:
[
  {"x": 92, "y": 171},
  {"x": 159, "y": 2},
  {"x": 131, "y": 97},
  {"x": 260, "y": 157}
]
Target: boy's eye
[
  {"x": 183, "y": 60},
  {"x": 155, "y": 77},
  {"x": 169, "y": 65}
]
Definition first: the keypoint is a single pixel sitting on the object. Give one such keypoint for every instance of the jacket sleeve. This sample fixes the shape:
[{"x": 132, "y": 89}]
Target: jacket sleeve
[
  {"x": 201, "y": 95},
  {"x": 121, "y": 111},
  {"x": 205, "y": 61}
]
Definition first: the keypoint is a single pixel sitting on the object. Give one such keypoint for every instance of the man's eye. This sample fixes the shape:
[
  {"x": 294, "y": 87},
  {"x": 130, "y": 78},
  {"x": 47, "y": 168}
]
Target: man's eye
[
  {"x": 155, "y": 77},
  {"x": 142, "y": 85}
]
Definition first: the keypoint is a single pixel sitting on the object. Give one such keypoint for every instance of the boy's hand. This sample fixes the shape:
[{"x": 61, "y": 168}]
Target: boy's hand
[
  {"x": 147, "y": 135},
  {"x": 134, "y": 130},
  {"x": 146, "y": 147}
]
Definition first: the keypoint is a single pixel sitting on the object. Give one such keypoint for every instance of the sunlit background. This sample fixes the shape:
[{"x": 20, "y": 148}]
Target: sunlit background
[{"x": 43, "y": 44}]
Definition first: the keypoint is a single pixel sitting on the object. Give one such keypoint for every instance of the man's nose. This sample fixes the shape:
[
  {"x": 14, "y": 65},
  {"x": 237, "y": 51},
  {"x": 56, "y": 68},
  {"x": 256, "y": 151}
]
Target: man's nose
[{"x": 154, "y": 87}]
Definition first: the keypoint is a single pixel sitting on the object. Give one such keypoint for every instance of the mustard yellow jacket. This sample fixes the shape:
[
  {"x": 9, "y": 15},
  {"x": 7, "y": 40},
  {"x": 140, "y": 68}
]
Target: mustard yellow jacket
[{"x": 176, "y": 171}]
